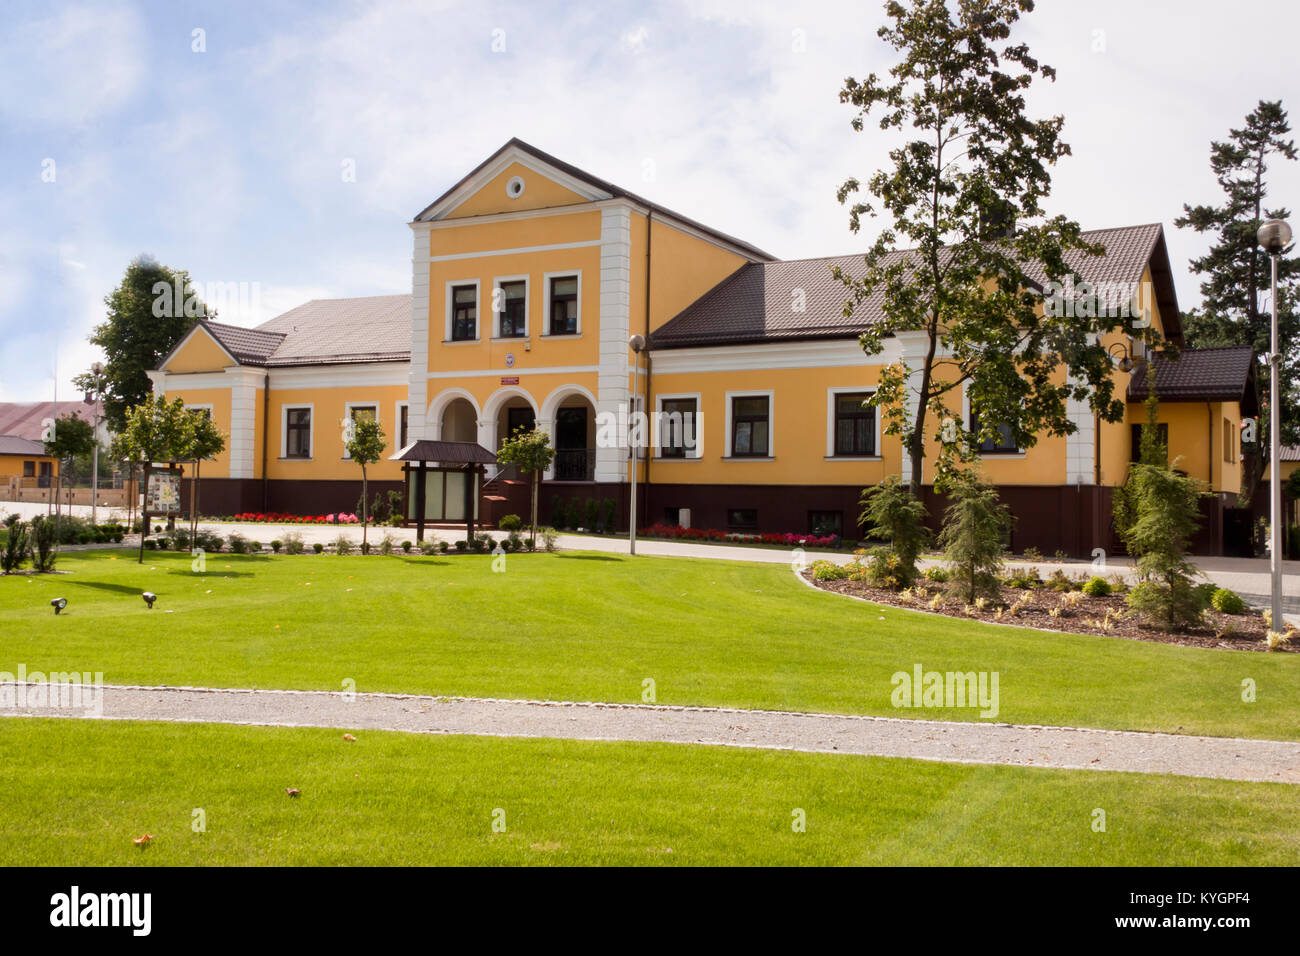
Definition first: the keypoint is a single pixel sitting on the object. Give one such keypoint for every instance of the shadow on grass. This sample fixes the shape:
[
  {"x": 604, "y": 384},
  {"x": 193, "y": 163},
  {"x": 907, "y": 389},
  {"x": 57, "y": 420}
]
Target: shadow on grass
[
  {"x": 421, "y": 560},
  {"x": 590, "y": 557},
  {"x": 133, "y": 590}
]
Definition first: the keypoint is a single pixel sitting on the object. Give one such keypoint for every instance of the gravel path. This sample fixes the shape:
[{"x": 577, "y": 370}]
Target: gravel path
[{"x": 1063, "y": 747}]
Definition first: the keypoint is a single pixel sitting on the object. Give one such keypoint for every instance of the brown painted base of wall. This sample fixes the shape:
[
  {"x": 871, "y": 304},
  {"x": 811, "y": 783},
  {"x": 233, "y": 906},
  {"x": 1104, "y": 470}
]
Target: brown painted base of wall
[
  {"x": 1075, "y": 520},
  {"x": 230, "y": 496}
]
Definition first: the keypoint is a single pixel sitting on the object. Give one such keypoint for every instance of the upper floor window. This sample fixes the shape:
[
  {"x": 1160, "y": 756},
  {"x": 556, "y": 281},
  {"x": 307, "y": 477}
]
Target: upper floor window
[
  {"x": 855, "y": 425},
  {"x": 297, "y": 433},
  {"x": 751, "y": 426},
  {"x": 677, "y": 427},
  {"x": 464, "y": 313},
  {"x": 513, "y": 302},
  {"x": 1002, "y": 442},
  {"x": 564, "y": 305}
]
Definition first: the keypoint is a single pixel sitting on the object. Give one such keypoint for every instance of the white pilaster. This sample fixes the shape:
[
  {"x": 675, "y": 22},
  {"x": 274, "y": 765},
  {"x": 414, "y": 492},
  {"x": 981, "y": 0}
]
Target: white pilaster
[
  {"x": 245, "y": 412},
  {"x": 615, "y": 327},
  {"x": 1080, "y": 447},
  {"x": 418, "y": 389}
]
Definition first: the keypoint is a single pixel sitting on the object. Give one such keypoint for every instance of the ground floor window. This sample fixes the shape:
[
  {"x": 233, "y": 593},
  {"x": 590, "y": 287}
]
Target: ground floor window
[
  {"x": 29, "y": 469},
  {"x": 742, "y": 519},
  {"x": 826, "y": 522}
]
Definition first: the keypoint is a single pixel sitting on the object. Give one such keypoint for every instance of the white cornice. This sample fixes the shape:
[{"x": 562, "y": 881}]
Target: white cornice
[{"x": 773, "y": 355}]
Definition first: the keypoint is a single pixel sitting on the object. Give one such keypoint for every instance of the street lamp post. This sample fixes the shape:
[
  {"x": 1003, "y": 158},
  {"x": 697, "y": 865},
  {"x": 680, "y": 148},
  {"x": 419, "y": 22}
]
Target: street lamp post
[
  {"x": 636, "y": 343},
  {"x": 1273, "y": 237},
  {"x": 97, "y": 370}
]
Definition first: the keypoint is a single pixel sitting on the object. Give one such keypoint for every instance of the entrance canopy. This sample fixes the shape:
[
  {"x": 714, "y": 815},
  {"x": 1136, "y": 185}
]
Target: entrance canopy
[
  {"x": 443, "y": 480},
  {"x": 446, "y": 453}
]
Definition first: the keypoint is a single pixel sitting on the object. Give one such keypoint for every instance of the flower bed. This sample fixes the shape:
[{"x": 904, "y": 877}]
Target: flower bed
[
  {"x": 678, "y": 533},
  {"x": 276, "y": 517},
  {"x": 1041, "y": 606}
]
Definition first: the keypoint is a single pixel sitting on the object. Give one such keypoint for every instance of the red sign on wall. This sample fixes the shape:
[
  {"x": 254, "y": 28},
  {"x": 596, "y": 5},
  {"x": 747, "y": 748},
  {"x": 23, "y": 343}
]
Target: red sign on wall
[{"x": 510, "y": 380}]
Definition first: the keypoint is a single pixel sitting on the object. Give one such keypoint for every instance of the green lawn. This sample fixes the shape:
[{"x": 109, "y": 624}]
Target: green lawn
[
  {"x": 594, "y": 627},
  {"x": 79, "y": 792}
]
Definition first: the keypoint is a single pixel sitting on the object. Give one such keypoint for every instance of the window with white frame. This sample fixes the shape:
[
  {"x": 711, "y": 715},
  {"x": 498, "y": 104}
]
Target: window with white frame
[
  {"x": 356, "y": 412},
  {"x": 749, "y": 425},
  {"x": 677, "y": 425},
  {"x": 463, "y": 312},
  {"x": 510, "y": 304},
  {"x": 296, "y": 430},
  {"x": 563, "y": 293},
  {"x": 853, "y": 425}
]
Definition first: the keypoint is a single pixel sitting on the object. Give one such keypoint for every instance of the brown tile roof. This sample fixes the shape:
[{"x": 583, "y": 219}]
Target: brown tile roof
[
  {"x": 446, "y": 452},
  {"x": 13, "y": 445},
  {"x": 1198, "y": 375},
  {"x": 753, "y": 304},
  {"x": 248, "y": 346},
  {"x": 374, "y": 328},
  {"x": 23, "y": 419}
]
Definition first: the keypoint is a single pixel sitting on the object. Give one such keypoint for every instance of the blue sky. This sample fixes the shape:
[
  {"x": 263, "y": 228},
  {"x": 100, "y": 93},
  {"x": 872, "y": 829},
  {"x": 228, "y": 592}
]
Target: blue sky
[{"x": 228, "y": 162}]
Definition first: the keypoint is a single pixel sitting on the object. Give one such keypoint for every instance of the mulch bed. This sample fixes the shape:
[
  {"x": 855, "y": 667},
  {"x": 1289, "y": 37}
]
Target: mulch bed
[{"x": 1237, "y": 632}]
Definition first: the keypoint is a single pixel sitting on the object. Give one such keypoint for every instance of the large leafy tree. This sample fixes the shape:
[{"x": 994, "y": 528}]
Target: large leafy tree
[
  {"x": 145, "y": 321},
  {"x": 964, "y": 197},
  {"x": 1236, "y": 272}
]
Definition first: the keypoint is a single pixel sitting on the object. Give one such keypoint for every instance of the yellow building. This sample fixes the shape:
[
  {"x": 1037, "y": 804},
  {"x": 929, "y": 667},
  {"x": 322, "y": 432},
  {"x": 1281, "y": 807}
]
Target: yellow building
[
  {"x": 24, "y": 465},
  {"x": 529, "y": 279}
]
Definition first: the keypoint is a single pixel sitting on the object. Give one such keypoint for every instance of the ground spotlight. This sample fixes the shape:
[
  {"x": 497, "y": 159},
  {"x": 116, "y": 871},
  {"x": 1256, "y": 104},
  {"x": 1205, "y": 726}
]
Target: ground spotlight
[
  {"x": 149, "y": 598},
  {"x": 58, "y": 604}
]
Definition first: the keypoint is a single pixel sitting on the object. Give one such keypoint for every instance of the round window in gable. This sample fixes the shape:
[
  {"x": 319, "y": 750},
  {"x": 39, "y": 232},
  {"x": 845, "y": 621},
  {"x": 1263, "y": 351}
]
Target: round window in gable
[{"x": 515, "y": 188}]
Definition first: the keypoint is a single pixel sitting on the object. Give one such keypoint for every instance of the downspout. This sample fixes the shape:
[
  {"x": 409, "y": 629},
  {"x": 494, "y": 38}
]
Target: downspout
[
  {"x": 649, "y": 365},
  {"x": 266, "y": 435}
]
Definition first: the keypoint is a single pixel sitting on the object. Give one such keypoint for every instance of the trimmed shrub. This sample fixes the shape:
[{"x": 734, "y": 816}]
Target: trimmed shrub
[
  {"x": 462, "y": 544},
  {"x": 1096, "y": 587},
  {"x": 608, "y": 510},
  {"x": 238, "y": 543},
  {"x": 318, "y": 547},
  {"x": 276, "y": 545},
  {"x": 43, "y": 540},
  {"x": 1165, "y": 515},
  {"x": 15, "y": 550},
  {"x": 830, "y": 571},
  {"x": 975, "y": 529},
  {"x": 591, "y": 514},
  {"x": 890, "y": 511},
  {"x": 406, "y": 546},
  {"x": 510, "y": 523},
  {"x": 1227, "y": 602}
]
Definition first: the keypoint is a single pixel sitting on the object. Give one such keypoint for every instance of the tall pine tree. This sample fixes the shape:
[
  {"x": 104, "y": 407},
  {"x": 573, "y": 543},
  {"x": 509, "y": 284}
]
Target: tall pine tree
[{"x": 1235, "y": 272}]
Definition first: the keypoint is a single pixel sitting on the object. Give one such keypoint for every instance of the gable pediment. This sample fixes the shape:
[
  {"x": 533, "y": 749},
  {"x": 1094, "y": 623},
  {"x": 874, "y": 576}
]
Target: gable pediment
[{"x": 514, "y": 179}]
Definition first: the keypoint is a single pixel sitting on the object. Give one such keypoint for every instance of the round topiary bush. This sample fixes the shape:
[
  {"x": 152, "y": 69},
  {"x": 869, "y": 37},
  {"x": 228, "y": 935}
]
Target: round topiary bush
[
  {"x": 1226, "y": 601},
  {"x": 1096, "y": 587},
  {"x": 318, "y": 547}
]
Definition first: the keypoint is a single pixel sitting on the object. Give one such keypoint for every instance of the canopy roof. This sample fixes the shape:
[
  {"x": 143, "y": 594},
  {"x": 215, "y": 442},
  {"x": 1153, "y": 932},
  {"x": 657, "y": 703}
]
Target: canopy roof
[{"x": 446, "y": 452}]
